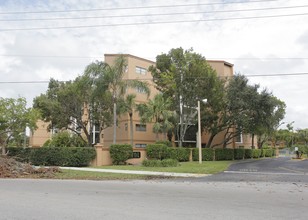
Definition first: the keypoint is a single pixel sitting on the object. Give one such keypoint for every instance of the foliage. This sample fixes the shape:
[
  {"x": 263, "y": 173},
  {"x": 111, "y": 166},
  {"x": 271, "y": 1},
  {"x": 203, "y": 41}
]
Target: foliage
[
  {"x": 112, "y": 77},
  {"x": 157, "y": 151},
  {"x": 180, "y": 154},
  {"x": 239, "y": 153},
  {"x": 256, "y": 153},
  {"x": 207, "y": 154},
  {"x": 14, "y": 118},
  {"x": 268, "y": 152},
  {"x": 179, "y": 72},
  {"x": 65, "y": 139},
  {"x": 120, "y": 153},
  {"x": 160, "y": 163},
  {"x": 224, "y": 154},
  {"x": 128, "y": 106},
  {"x": 167, "y": 143},
  {"x": 55, "y": 156},
  {"x": 248, "y": 153},
  {"x": 159, "y": 112},
  {"x": 75, "y": 106},
  {"x": 19, "y": 153}
]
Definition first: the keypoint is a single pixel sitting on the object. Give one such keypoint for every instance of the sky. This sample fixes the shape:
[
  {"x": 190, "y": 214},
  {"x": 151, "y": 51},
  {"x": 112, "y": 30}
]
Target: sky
[{"x": 47, "y": 39}]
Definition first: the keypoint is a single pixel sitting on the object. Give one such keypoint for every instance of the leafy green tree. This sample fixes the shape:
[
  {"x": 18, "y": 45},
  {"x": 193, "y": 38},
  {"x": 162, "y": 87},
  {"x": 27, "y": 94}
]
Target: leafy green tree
[
  {"x": 112, "y": 76},
  {"x": 65, "y": 139},
  {"x": 75, "y": 106},
  {"x": 158, "y": 111},
  {"x": 128, "y": 106},
  {"x": 14, "y": 118},
  {"x": 186, "y": 77}
]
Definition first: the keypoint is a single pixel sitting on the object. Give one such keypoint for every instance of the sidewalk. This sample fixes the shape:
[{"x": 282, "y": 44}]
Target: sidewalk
[{"x": 151, "y": 173}]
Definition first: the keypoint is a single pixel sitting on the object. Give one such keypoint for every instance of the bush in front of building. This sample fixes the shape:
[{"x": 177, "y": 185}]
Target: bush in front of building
[
  {"x": 180, "y": 154},
  {"x": 239, "y": 153},
  {"x": 248, "y": 153},
  {"x": 167, "y": 143},
  {"x": 224, "y": 154},
  {"x": 19, "y": 153},
  {"x": 207, "y": 154},
  {"x": 65, "y": 139},
  {"x": 256, "y": 153},
  {"x": 55, "y": 156},
  {"x": 160, "y": 163},
  {"x": 120, "y": 153},
  {"x": 157, "y": 151},
  {"x": 267, "y": 152}
]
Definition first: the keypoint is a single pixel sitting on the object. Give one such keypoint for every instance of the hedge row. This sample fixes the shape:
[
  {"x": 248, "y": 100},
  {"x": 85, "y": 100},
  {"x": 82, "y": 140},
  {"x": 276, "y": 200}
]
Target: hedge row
[
  {"x": 161, "y": 152},
  {"x": 231, "y": 154},
  {"x": 54, "y": 156}
]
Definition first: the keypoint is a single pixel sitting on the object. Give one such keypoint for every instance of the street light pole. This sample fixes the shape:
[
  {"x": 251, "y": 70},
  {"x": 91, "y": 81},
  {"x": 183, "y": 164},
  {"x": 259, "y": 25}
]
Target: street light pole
[
  {"x": 199, "y": 131},
  {"x": 199, "y": 134}
]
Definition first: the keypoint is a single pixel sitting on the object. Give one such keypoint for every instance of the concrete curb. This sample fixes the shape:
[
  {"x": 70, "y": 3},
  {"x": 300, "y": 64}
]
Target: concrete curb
[{"x": 151, "y": 173}]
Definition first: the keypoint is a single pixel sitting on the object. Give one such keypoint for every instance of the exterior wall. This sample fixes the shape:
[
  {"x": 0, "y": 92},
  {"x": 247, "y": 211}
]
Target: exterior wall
[{"x": 40, "y": 135}]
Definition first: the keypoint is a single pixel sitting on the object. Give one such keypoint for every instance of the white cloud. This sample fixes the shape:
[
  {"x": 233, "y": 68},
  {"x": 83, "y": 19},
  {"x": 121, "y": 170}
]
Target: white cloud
[{"x": 281, "y": 37}]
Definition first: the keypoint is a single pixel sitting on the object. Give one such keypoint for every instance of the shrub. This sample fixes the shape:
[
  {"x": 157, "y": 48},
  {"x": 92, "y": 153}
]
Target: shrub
[
  {"x": 59, "y": 156},
  {"x": 19, "y": 153},
  {"x": 119, "y": 153},
  {"x": 239, "y": 153},
  {"x": 160, "y": 163},
  {"x": 65, "y": 139},
  {"x": 224, "y": 154},
  {"x": 207, "y": 154},
  {"x": 169, "y": 163},
  {"x": 267, "y": 152},
  {"x": 248, "y": 153},
  {"x": 180, "y": 154},
  {"x": 157, "y": 151},
  {"x": 167, "y": 143},
  {"x": 256, "y": 153}
]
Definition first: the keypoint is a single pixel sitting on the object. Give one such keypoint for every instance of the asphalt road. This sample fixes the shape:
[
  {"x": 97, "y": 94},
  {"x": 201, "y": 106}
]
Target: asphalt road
[
  {"x": 63, "y": 199},
  {"x": 282, "y": 169}
]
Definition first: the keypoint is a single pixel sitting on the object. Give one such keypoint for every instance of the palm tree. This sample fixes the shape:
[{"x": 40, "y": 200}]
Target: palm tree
[
  {"x": 157, "y": 110},
  {"x": 128, "y": 106},
  {"x": 112, "y": 76}
]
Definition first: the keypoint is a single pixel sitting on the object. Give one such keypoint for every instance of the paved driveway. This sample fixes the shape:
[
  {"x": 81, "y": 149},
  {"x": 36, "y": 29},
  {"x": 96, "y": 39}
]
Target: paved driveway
[{"x": 264, "y": 170}]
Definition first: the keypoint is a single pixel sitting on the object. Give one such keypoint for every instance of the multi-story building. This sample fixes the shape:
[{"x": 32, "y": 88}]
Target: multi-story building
[{"x": 137, "y": 68}]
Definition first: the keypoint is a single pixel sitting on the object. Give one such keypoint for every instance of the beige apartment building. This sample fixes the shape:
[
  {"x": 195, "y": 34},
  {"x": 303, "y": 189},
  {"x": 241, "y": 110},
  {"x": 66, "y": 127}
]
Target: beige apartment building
[{"x": 137, "y": 68}]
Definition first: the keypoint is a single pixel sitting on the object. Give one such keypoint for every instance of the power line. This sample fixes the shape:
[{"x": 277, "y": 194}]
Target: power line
[
  {"x": 149, "y": 15},
  {"x": 150, "y": 23},
  {"x": 147, "y": 79},
  {"x": 135, "y": 7}
]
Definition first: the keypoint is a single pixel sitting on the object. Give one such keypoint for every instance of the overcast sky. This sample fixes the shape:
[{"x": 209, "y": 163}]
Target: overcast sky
[{"x": 44, "y": 39}]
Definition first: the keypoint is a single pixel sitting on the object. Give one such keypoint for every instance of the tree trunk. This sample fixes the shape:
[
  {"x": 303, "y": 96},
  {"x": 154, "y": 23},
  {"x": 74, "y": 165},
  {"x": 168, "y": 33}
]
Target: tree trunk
[
  {"x": 3, "y": 149},
  {"x": 114, "y": 122},
  {"x": 209, "y": 143},
  {"x": 131, "y": 129},
  {"x": 253, "y": 141}
]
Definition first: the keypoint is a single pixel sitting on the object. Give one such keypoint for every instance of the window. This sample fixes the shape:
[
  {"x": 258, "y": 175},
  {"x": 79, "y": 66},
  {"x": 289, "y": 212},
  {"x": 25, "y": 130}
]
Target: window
[
  {"x": 95, "y": 134},
  {"x": 140, "y": 90},
  {"x": 239, "y": 138},
  {"x": 141, "y": 70},
  {"x": 140, "y": 145},
  {"x": 141, "y": 127}
]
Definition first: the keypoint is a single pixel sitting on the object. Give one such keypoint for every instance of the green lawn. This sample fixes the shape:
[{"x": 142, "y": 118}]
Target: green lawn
[
  {"x": 207, "y": 167},
  {"x": 85, "y": 175}
]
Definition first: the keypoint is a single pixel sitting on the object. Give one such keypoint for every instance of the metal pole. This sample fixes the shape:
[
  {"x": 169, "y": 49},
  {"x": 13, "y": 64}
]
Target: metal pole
[{"x": 199, "y": 134}]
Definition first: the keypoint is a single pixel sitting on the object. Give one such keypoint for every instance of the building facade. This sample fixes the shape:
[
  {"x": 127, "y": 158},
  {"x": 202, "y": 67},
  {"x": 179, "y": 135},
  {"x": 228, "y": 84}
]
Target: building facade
[{"x": 137, "y": 68}]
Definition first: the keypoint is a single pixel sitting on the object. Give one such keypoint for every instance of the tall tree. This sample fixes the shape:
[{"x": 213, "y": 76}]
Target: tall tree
[
  {"x": 176, "y": 75},
  {"x": 113, "y": 77},
  {"x": 159, "y": 112},
  {"x": 14, "y": 118},
  {"x": 128, "y": 106}
]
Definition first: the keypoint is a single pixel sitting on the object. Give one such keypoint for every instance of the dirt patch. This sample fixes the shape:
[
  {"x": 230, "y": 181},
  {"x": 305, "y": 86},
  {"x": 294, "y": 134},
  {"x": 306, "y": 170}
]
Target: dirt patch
[{"x": 10, "y": 168}]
